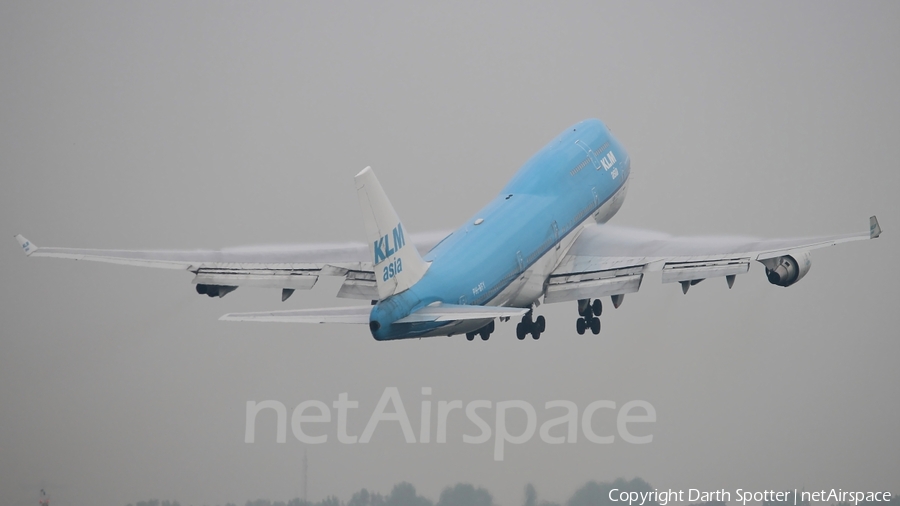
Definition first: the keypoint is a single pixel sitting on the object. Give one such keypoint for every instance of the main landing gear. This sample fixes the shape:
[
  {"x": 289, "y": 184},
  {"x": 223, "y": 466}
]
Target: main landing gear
[
  {"x": 485, "y": 332},
  {"x": 589, "y": 312},
  {"x": 529, "y": 326}
]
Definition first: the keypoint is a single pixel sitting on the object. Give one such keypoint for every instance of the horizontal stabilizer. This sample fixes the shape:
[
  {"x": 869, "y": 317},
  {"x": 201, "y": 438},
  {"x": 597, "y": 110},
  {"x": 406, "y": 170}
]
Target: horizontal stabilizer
[
  {"x": 352, "y": 314},
  {"x": 453, "y": 312}
]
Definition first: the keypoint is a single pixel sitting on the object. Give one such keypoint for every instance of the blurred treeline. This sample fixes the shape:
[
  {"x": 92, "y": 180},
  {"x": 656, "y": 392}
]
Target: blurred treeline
[{"x": 461, "y": 494}]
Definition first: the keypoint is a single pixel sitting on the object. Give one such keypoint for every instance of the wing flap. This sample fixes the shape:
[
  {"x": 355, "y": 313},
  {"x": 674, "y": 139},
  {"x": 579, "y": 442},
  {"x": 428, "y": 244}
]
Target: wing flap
[
  {"x": 594, "y": 285},
  {"x": 260, "y": 278},
  {"x": 359, "y": 285},
  {"x": 676, "y": 272},
  {"x": 351, "y": 314},
  {"x": 559, "y": 291}
]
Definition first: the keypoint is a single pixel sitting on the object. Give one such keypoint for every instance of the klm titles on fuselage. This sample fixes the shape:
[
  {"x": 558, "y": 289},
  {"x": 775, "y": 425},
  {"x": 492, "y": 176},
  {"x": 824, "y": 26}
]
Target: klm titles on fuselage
[
  {"x": 385, "y": 247},
  {"x": 608, "y": 161}
]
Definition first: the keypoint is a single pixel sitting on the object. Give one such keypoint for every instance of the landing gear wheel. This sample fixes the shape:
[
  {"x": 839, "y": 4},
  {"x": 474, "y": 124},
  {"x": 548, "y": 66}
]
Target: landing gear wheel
[
  {"x": 541, "y": 324},
  {"x": 536, "y": 334},
  {"x": 597, "y": 307},
  {"x": 470, "y": 336},
  {"x": 520, "y": 331},
  {"x": 580, "y": 326},
  {"x": 485, "y": 335},
  {"x": 595, "y": 326},
  {"x": 584, "y": 307}
]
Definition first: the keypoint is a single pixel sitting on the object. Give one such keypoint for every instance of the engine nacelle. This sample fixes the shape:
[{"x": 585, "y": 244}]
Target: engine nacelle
[
  {"x": 788, "y": 269},
  {"x": 214, "y": 290}
]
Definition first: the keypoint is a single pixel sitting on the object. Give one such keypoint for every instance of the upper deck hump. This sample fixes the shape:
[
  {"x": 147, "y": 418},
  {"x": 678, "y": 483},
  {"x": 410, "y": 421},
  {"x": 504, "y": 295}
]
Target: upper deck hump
[{"x": 544, "y": 171}]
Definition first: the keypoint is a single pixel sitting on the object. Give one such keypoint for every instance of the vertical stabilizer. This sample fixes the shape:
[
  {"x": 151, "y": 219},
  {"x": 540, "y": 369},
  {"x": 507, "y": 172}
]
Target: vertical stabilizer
[{"x": 398, "y": 264}]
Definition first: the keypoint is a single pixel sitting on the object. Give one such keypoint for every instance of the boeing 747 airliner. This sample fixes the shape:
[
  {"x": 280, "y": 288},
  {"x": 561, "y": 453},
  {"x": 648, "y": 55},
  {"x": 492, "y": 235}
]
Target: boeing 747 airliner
[{"x": 543, "y": 238}]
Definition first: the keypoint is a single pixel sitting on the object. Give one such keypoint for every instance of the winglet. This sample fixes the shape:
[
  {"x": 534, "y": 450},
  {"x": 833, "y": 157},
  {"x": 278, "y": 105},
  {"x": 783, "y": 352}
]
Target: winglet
[
  {"x": 27, "y": 246},
  {"x": 874, "y": 228}
]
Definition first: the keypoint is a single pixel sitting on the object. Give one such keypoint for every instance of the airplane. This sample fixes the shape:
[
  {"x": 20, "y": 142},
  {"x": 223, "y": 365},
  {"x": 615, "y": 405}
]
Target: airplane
[{"x": 543, "y": 239}]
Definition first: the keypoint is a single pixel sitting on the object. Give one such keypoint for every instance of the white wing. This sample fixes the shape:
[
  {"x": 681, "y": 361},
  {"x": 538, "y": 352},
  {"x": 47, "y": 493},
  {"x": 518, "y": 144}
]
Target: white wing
[
  {"x": 218, "y": 272},
  {"x": 610, "y": 260}
]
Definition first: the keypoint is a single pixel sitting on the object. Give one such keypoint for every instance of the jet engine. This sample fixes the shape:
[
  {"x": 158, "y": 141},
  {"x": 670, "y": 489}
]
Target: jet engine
[
  {"x": 787, "y": 270},
  {"x": 214, "y": 290}
]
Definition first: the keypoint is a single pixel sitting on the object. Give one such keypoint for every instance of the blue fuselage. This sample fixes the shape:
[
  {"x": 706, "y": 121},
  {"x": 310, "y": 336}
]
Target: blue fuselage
[{"x": 548, "y": 199}]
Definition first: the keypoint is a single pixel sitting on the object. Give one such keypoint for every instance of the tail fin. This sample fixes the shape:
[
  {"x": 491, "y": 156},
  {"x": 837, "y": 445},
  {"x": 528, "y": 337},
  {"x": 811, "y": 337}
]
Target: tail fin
[
  {"x": 398, "y": 264},
  {"x": 29, "y": 247}
]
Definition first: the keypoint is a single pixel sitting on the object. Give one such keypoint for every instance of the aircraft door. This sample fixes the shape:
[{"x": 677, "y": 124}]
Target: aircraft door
[{"x": 590, "y": 152}]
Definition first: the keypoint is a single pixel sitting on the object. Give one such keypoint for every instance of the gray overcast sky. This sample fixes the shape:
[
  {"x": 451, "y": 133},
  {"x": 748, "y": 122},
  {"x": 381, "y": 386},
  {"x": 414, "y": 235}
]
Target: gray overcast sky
[{"x": 201, "y": 125}]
